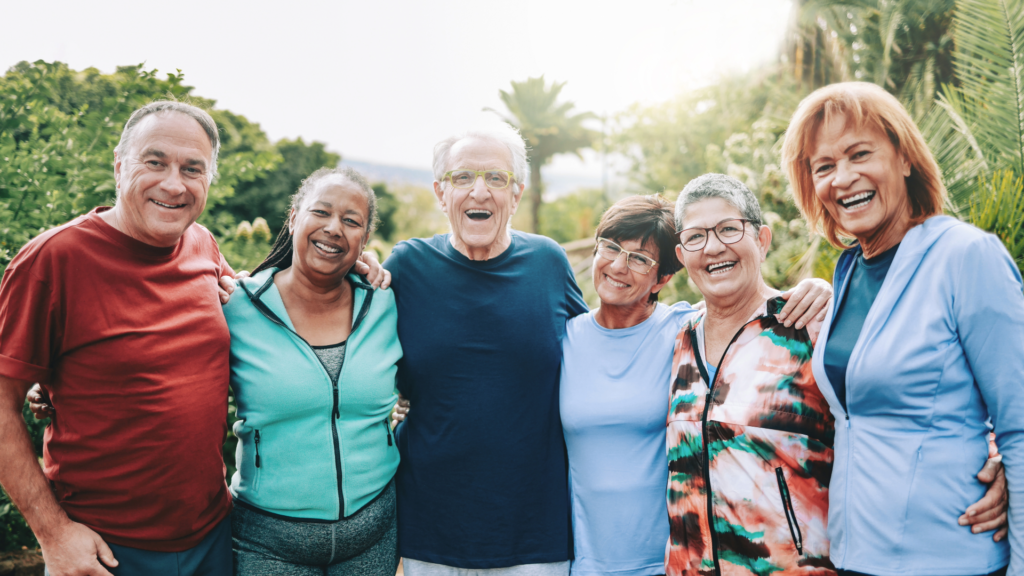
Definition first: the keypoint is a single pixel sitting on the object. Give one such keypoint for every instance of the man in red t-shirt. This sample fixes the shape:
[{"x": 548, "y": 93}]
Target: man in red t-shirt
[{"x": 116, "y": 314}]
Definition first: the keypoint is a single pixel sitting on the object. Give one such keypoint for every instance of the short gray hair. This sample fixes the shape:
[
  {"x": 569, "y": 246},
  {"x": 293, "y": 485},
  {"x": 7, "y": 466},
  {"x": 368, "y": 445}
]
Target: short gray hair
[
  {"x": 198, "y": 114},
  {"x": 719, "y": 186},
  {"x": 505, "y": 134}
]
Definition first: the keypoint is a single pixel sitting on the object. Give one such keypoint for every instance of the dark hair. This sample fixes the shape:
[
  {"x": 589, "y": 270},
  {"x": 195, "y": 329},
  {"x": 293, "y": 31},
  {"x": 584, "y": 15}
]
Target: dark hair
[
  {"x": 281, "y": 254},
  {"x": 644, "y": 218}
]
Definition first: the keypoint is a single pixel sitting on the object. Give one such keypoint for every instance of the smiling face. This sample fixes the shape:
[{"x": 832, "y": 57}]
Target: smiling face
[
  {"x": 724, "y": 273},
  {"x": 860, "y": 179},
  {"x": 618, "y": 285},
  {"x": 163, "y": 179},
  {"x": 479, "y": 215},
  {"x": 329, "y": 230}
]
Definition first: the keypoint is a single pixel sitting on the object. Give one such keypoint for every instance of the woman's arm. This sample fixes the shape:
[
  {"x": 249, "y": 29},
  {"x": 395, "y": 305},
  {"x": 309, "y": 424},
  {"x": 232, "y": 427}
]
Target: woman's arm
[{"x": 988, "y": 308}]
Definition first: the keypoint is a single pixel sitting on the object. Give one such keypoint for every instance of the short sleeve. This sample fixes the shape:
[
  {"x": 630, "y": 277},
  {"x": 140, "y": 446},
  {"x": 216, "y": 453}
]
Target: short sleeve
[
  {"x": 27, "y": 319},
  {"x": 575, "y": 304}
]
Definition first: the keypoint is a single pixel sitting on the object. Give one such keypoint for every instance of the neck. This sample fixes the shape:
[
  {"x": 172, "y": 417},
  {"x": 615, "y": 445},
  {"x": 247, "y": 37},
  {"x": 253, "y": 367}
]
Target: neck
[
  {"x": 616, "y": 317},
  {"x": 318, "y": 292},
  {"x": 734, "y": 312},
  {"x": 890, "y": 234},
  {"x": 483, "y": 252},
  {"x": 119, "y": 220}
]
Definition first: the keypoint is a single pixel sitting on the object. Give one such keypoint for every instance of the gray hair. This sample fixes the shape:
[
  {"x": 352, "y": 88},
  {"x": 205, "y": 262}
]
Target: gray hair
[
  {"x": 504, "y": 134},
  {"x": 339, "y": 175},
  {"x": 198, "y": 114},
  {"x": 719, "y": 186}
]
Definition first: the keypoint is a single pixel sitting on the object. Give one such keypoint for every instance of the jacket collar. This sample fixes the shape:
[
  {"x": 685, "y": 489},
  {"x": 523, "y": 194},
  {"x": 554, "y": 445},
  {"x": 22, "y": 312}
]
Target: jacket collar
[{"x": 263, "y": 293}]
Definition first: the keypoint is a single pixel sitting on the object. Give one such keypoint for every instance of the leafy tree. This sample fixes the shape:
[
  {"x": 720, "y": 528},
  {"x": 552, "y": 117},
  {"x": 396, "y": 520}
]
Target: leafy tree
[
  {"x": 387, "y": 206},
  {"x": 269, "y": 195},
  {"x": 548, "y": 126}
]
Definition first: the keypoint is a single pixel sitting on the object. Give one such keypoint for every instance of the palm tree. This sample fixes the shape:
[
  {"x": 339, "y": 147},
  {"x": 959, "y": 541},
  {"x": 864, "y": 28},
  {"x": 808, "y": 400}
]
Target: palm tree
[{"x": 548, "y": 126}]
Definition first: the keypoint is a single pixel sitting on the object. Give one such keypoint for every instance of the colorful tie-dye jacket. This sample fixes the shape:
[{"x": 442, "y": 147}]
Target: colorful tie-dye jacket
[{"x": 757, "y": 460}]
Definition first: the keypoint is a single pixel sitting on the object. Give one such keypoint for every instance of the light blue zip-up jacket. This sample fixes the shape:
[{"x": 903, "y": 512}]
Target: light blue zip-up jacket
[
  {"x": 309, "y": 449},
  {"x": 941, "y": 351}
]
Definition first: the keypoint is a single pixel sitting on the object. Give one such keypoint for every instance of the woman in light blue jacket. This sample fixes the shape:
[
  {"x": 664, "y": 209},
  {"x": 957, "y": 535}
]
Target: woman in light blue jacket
[
  {"x": 924, "y": 344},
  {"x": 314, "y": 352}
]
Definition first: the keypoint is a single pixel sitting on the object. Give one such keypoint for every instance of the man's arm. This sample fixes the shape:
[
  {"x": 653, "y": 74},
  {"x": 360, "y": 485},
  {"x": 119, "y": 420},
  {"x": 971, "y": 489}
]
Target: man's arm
[{"x": 69, "y": 548}]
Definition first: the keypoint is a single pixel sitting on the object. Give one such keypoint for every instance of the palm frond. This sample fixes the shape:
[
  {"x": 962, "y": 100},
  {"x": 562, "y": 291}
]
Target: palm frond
[
  {"x": 989, "y": 64},
  {"x": 951, "y": 138}
]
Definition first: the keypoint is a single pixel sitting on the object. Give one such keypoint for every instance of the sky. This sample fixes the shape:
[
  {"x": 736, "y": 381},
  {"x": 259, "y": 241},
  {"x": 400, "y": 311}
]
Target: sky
[{"x": 383, "y": 80}]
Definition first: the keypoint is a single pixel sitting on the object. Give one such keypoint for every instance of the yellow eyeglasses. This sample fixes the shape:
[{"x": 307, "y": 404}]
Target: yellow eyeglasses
[{"x": 493, "y": 179}]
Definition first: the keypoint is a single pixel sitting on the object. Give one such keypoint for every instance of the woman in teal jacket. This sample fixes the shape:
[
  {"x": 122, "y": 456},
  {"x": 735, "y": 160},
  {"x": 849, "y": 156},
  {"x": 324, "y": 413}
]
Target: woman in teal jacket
[
  {"x": 923, "y": 346},
  {"x": 313, "y": 361}
]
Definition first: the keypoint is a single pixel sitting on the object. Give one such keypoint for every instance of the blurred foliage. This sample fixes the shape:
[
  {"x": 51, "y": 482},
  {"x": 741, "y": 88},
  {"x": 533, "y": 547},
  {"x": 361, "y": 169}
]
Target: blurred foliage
[
  {"x": 998, "y": 206},
  {"x": 549, "y": 127}
]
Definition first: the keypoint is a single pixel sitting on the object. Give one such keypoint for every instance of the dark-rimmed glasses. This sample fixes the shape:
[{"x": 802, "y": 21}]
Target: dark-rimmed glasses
[
  {"x": 635, "y": 261},
  {"x": 493, "y": 179},
  {"x": 727, "y": 231}
]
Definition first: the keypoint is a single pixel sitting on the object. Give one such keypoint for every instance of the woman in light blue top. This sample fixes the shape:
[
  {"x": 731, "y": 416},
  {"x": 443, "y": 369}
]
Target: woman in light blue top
[{"x": 923, "y": 346}]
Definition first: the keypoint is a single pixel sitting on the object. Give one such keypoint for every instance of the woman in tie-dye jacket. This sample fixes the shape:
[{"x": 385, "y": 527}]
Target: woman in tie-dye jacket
[{"x": 750, "y": 455}]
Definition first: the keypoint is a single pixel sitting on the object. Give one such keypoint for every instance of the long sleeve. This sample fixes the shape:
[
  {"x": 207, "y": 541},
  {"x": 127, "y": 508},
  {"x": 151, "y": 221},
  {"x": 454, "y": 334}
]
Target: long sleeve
[{"x": 988, "y": 308}]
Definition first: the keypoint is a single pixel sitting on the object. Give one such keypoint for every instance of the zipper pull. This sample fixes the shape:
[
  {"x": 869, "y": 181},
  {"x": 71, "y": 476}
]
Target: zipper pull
[
  {"x": 388, "y": 428},
  {"x": 847, "y": 420},
  {"x": 257, "y": 448},
  {"x": 337, "y": 413}
]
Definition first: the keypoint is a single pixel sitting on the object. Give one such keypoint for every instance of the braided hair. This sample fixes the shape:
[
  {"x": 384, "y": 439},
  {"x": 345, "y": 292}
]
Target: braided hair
[{"x": 281, "y": 253}]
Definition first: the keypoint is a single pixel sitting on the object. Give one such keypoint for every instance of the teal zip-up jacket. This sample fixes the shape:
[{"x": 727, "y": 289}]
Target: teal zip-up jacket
[{"x": 310, "y": 448}]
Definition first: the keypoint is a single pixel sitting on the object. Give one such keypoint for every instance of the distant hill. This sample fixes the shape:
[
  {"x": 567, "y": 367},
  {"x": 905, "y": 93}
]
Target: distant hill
[{"x": 556, "y": 184}]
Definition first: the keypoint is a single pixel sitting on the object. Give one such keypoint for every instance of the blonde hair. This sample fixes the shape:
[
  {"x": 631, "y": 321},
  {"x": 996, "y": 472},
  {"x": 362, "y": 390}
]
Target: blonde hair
[{"x": 865, "y": 105}]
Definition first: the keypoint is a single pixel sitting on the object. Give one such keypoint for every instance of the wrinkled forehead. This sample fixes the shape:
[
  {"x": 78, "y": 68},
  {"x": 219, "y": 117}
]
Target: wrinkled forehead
[
  {"x": 708, "y": 212},
  {"x": 478, "y": 153}
]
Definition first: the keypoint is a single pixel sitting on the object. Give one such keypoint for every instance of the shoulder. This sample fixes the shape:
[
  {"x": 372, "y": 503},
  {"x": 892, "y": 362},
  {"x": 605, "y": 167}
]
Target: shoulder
[
  {"x": 964, "y": 245},
  {"x": 203, "y": 240},
  {"x": 53, "y": 246},
  {"x": 538, "y": 243},
  {"x": 580, "y": 322},
  {"x": 415, "y": 249}
]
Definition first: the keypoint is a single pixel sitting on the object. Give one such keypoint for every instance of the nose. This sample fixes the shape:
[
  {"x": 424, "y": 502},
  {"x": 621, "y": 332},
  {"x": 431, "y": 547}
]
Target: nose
[
  {"x": 173, "y": 182},
  {"x": 714, "y": 245},
  {"x": 333, "y": 227},
  {"x": 619, "y": 264},
  {"x": 845, "y": 175},
  {"x": 479, "y": 190}
]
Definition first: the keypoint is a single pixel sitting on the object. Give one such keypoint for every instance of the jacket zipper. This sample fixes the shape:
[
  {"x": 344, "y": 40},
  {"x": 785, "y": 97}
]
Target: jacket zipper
[
  {"x": 335, "y": 412},
  {"x": 257, "y": 440},
  {"x": 704, "y": 432},
  {"x": 787, "y": 507},
  {"x": 388, "y": 428}
]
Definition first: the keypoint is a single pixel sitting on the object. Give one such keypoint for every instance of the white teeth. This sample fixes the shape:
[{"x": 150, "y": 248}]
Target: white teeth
[
  {"x": 856, "y": 198},
  {"x": 326, "y": 248},
  {"x": 616, "y": 284},
  {"x": 483, "y": 212},
  {"x": 168, "y": 205},
  {"x": 720, "y": 267}
]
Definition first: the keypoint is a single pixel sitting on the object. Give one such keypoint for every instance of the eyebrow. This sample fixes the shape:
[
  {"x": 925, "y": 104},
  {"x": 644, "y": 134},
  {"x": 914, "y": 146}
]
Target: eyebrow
[
  {"x": 847, "y": 149},
  {"x": 162, "y": 155}
]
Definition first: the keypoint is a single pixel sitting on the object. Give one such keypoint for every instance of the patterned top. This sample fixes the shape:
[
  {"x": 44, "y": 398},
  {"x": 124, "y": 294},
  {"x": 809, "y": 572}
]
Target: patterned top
[{"x": 757, "y": 459}]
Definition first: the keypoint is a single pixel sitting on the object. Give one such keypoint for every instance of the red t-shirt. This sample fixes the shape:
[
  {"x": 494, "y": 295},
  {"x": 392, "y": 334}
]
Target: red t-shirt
[{"x": 132, "y": 346}]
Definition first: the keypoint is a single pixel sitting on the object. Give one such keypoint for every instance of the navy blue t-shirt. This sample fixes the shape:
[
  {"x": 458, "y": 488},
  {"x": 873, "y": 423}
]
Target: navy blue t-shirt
[
  {"x": 482, "y": 481},
  {"x": 865, "y": 282}
]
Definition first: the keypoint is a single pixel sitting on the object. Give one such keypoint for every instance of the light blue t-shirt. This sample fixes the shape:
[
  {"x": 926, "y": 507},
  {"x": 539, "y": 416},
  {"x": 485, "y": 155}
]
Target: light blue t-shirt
[{"x": 614, "y": 400}]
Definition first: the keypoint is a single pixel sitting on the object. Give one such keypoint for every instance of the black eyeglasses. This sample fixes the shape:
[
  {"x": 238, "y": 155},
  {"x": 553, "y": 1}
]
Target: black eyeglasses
[{"x": 727, "y": 231}]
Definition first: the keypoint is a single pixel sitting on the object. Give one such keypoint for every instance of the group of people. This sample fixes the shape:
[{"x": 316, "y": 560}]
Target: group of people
[{"x": 807, "y": 432}]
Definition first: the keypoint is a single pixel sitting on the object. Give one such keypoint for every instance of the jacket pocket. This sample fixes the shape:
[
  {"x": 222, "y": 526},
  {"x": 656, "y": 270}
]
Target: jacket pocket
[
  {"x": 259, "y": 467},
  {"x": 787, "y": 506},
  {"x": 387, "y": 426}
]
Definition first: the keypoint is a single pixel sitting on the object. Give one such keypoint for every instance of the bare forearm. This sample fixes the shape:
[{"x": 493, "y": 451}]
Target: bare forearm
[{"x": 20, "y": 473}]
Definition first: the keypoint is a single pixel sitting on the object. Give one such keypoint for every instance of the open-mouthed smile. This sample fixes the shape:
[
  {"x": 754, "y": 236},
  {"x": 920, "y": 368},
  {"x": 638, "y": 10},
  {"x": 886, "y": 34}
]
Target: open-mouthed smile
[
  {"x": 615, "y": 283},
  {"x": 719, "y": 268},
  {"x": 328, "y": 248},
  {"x": 478, "y": 214},
  {"x": 857, "y": 200}
]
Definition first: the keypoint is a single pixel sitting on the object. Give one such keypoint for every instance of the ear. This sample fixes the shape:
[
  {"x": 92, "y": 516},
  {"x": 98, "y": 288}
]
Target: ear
[
  {"x": 679, "y": 255},
  {"x": 764, "y": 241},
  {"x": 117, "y": 172},
  {"x": 662, "y": 282},
  {"x": 439, "y": 192},
  {"x": 517, "y": 197},
  {"x": 906, "y": 165},
  {"x": 291, "y": 221}
]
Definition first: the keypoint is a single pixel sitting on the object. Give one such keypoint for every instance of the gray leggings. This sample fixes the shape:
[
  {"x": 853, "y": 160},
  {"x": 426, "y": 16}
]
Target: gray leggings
[{"x": 362, "y": 544}]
